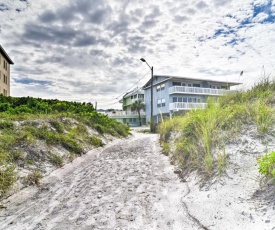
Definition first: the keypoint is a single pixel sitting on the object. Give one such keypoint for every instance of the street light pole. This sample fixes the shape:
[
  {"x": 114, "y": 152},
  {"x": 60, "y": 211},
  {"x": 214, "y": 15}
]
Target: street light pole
[{"x": 152, "y": 75}]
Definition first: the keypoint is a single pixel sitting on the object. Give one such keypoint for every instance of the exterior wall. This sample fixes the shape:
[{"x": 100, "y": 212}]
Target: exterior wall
[
  {"x": 157, "y": 95},
  {"x": 4, "y": 76}
]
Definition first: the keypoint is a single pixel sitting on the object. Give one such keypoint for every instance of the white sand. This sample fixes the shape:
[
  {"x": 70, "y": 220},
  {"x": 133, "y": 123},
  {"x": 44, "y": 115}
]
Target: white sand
[{"x": 128, "y": 184}]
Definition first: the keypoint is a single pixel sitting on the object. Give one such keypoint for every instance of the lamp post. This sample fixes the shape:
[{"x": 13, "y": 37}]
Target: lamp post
[{"x": 152, "y": 74}]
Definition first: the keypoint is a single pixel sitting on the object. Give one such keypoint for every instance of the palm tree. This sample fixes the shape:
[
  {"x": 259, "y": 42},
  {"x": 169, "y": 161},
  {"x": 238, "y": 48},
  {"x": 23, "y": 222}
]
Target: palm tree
[{"x": 138, "y": 106}]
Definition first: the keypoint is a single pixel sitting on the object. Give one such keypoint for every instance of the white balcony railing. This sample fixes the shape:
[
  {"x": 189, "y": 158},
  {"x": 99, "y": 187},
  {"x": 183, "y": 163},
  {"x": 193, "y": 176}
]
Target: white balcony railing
[
  {"x": 186, "y": 106},
  {"x": 197, "y": 90},
  {"x": 124, "y": 114}
]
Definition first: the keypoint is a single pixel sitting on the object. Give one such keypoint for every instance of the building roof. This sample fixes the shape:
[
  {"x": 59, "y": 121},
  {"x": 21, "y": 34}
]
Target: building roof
[
  {"x": 3, "y": 52},
  {"x": 148, "y": 84}
]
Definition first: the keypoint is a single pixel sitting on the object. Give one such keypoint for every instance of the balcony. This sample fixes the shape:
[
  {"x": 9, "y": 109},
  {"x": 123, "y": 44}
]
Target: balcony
[
  {"x": 138, "y": 99},
  {"x": 125, "y": 114},
  {"x": 197, "y": 90},
  {"x": 186, "y": 106},
  {"x": 132, "y": 101}
]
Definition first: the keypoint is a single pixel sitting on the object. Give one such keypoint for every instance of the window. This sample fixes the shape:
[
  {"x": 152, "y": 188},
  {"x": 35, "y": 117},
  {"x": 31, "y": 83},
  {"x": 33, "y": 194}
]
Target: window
[
  {"x": 183, "y": 84},
  {"x": 196, "y": 85},
  {"x": 189, "y": 85},
  {"x": 176, "y": 84},
  {"x": 184, "y": 99},
  {"x": 162, "y": 87},
  {"x": 189, "y": 99},
  {"x": 5, "y": 64},
  {"x": 162, "y": 102},
  {"x": 5, "y": 92},
  {"x": 159, "y": 103},
  {"x": 175, "y": 99},
  {"x": 179, "y": 99},
  {"x": 5, "y": 79}
]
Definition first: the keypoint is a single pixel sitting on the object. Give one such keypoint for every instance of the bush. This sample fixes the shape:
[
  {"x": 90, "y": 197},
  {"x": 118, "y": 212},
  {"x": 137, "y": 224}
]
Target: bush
[
  {"x": 95, "y": 141},
  {"x": 56, "y": 159},
  {"x": 6, "y": 125},
  {"x": 267, "y": 165},
  {"x": 99, "y": 128},
  {"x": 59, "y": 127},
  {"x": 71, "y": 145},
  {"x": 7, "y": 178},
  {"x": 165, "y": 149},
  {"x": 33, "y": 178}
]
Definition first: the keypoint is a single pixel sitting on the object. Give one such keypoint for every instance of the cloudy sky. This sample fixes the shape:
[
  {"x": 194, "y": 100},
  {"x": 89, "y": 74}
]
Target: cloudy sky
[{"x": 90, "y": 50}]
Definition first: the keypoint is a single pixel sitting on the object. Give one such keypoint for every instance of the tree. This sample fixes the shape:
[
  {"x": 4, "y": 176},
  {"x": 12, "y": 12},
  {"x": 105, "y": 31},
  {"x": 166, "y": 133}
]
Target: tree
[{"x": 138, "y": 106}]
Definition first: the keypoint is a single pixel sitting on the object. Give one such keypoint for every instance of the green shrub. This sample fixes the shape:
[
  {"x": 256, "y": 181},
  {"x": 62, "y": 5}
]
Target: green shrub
[
  {"x": 99, "y": 128},
  {"x": 71, "y": 145},
  {"x": 53, "y": 138},
  {"x": 33, "y": 178},
  {"x": 7, "y": 178},
  {"x": 165, "y": 148},
  {"x": 59, "y": 127},
  {"x": 6, "y": 125},
  {"x": 95, "y": 141},
  {"x": 264, "y": 116},
  {"x": 81, "y": 129},
  {"x": 267, "y": 165},
  {"x": 16, "y": 155},
  {"x": 56, "y": 159}
]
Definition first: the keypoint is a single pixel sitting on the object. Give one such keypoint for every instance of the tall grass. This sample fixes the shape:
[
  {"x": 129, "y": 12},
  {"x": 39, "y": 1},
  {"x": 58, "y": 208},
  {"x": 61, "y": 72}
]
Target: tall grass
[{"x": 199, "y": 136}]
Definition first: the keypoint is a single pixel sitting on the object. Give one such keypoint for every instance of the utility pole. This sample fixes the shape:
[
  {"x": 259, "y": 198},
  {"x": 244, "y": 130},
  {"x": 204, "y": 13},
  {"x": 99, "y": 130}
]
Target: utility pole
[{"x": 152, "y": 77}]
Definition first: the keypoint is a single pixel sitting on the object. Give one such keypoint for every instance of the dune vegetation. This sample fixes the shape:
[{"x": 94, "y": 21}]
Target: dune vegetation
[
  {"x": 35, "y": 130},
  {"x": 196, "y": 140}
]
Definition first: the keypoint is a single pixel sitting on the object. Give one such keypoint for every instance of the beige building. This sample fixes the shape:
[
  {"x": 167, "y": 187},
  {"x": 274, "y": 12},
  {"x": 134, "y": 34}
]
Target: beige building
[{"x": 5, "y": 63}]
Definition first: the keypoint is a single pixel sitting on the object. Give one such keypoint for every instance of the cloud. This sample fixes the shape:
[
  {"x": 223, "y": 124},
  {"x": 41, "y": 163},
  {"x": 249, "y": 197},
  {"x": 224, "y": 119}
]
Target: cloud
[
  {"x": 201, "y": 5},
  {"x": 89, "y": 50},
  {"x": 3, "y": 7}
]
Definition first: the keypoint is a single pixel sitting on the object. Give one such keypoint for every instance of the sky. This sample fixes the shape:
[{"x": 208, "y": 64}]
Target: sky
[{"x": 90, "y": 50}]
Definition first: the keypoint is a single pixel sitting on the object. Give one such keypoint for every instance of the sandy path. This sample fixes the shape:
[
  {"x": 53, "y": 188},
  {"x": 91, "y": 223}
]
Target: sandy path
[{"x": 125, "y": 185}]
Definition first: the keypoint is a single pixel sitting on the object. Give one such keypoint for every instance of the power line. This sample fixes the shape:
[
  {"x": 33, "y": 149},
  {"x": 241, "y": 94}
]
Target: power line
[
  {"x": 133, "y": 85},
  {"x": 116, "y": 99}
]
